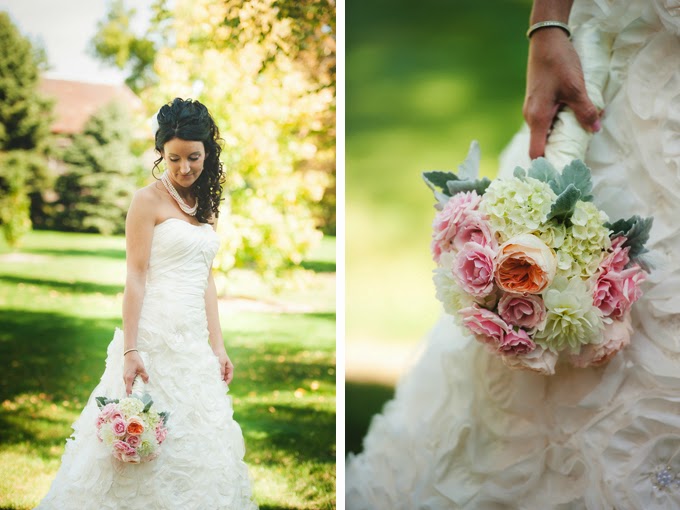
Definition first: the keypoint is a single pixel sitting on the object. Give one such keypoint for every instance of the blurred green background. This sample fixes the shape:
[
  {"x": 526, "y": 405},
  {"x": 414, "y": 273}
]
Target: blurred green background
[{"x": 423, "y": 79}]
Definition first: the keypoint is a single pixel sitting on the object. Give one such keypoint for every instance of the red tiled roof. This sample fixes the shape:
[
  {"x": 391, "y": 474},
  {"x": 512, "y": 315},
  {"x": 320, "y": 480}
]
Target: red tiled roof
[{"x": 76, "y": 101}]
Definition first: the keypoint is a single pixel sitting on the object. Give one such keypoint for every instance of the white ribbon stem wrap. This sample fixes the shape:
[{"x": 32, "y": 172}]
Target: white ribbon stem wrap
[{"x": 568, "y": 140}]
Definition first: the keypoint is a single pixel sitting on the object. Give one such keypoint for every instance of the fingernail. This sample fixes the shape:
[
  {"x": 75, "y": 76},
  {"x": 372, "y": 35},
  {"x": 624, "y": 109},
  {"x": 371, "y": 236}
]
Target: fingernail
[{"x": 597, "y": 125}]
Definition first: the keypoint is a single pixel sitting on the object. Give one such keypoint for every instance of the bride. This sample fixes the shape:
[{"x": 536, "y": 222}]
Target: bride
[
  {"x": 464, "y": 431},
  {"x": 171, "y": 340}
]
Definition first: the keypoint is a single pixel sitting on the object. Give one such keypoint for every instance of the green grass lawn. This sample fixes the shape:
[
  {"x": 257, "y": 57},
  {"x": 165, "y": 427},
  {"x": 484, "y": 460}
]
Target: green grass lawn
[{"x": 60, "y": 300}]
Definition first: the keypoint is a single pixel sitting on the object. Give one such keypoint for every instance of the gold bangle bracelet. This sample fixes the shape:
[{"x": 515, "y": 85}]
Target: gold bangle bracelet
[
  {"x": 130, "y": 350},
  {"x": 546, "y": 24}
]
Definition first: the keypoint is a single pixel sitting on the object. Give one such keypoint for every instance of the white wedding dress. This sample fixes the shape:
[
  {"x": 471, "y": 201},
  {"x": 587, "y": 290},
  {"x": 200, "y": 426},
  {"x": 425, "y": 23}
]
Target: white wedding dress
[
  {"x": 200, "y": 465},
  {"x": 465, "y": 432}
]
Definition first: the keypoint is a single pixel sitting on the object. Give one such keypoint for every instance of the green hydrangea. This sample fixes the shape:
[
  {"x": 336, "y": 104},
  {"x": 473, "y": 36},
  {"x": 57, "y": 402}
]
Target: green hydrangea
[
  {"x": 585, "y": 242},
  {"x": 553, "y": 234},
  {"x": 572, "y": 319},
  {"x": 131, "y": 406},
  {"x": 516, "y": 206}
]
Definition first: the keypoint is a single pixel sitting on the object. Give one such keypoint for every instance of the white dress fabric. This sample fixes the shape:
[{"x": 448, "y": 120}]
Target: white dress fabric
[
  {"x": 200, "y": 465},
  {"x": 466, "y": 432}
]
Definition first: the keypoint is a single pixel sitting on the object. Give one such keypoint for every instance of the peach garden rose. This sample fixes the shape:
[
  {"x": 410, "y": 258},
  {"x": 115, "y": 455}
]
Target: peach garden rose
[{"x": 525, "y": 264}]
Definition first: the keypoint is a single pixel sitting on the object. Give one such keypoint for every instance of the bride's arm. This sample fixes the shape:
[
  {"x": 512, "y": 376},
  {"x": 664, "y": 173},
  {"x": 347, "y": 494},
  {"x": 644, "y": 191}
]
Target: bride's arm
[
  {"x": 215, "y": 330},
  {"x": 554, "y": 77},
  {"x": 139, "y": 226}
]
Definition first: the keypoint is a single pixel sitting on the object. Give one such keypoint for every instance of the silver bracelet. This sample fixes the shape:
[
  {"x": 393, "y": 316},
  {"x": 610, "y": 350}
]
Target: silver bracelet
[
  {"x": 130, "y": 350},
  {"x": 545, "y": 24}
]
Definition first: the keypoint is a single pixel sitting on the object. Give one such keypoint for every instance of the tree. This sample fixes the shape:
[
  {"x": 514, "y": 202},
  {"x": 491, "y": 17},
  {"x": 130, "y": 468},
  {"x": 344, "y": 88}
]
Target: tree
[
  {"x": 24, "y": 131},
  {"x": 95, "y": 191},
  {"x": 267, "y": 75}
]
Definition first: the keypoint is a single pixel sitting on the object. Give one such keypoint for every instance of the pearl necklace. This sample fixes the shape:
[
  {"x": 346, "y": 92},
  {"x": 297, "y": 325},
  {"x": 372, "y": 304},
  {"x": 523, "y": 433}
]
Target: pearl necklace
[{"x": 191, "y": 211}]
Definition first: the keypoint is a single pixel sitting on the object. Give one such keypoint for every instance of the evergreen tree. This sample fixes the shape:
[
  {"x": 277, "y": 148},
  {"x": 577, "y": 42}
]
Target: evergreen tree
[
  {"x": 24, "y": 131},
  {"x": 96, "y": 190}
]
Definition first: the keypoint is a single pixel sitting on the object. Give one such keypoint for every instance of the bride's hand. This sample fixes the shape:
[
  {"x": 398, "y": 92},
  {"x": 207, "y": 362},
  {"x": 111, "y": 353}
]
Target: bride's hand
[
  {"x": 132, "y": 367},
  {"x": 226, "y": 366},
  {"x": 554, "y": 79}
]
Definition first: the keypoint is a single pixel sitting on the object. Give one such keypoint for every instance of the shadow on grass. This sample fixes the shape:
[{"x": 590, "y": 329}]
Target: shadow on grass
[
  {"x": 362, "y": 402},
  {"x": 71, "y": 287},
  {"x": 302, "y": 432},
  {"x": 73, "y": 252},
  {"x": 59, "y": 355}
]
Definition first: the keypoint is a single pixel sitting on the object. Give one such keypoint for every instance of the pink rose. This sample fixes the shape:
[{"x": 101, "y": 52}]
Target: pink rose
[
  {"x": 474, "y": 269},
  {"x": 486, "y": 326},
  {"x": 523, "y": 311},
  {"x": 161, "y": 433},
  {"x": 616, "y": 336},
  {"x": 100, "y": 421},
  {"x": 118, "y": 427},
  {"x": 516, "y": 342},
  {"x": 447, "y": 221},
  {"x": 615, "y": 292},
  {"x": 133, "y": 441},
  {"x": 126, "y": 453},
  {"x": 476, "y": 229},
  {"x": 617, "y": 257},
  {"x": 107, "y": 411}
]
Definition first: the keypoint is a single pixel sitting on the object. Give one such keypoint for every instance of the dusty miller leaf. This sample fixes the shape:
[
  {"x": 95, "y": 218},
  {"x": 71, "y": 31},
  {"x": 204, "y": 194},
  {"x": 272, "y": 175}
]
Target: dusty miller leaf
[
  {"x": 437, "y": 179},
  {"x": 478, "y": 185},
  {"x": 578, "y": 174},
  {"x": 542, "y": 170},
  {"x": 564, "y": 206},
  {"x": 519, "y": 173},
  {"x": 469, "y": 169},
  {"x": 636, "y": 230}
]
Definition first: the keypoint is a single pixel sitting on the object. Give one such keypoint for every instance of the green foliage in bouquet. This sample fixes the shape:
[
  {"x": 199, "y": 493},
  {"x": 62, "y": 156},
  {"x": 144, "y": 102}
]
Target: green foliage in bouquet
[
  {"x": 636, "y": 230},
  {"x": 466, "y": 180},
  {"x": 570, "y": 186},
  {"x": 145, "y": 398}
]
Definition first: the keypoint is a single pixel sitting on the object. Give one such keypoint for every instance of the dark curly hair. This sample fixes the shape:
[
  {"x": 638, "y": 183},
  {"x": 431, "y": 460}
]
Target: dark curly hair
[{"x": 190, "y": 120}]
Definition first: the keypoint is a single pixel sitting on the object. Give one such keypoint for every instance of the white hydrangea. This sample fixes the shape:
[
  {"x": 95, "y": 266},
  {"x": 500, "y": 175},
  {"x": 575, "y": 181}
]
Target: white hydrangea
[
  {"x": 131, "y": 406},
  {"x": 515, "y": 206},
  {"x": 585, "y": 242},
  {"x": 448, "y": 292},
  {"x": 107, "y": 435}
]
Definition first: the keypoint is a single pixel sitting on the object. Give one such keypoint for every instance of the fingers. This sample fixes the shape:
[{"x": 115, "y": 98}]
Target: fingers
[
  {"x": 128, "y": 383},
  {"x": 228, "y": 372},
  {"x": 144, "y": 375},
  {"x": 539, "y": 121},
  {"x": 586, "y": 113}
]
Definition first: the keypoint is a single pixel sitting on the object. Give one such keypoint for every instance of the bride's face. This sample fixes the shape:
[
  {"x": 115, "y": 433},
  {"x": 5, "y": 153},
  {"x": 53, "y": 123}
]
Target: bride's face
[{"x": 184, "y": 160}]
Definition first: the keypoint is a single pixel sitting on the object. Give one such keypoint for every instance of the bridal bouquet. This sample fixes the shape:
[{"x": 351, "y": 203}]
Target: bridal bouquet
[
  {"x": 131, "y": 428},
  {"x": 532, "y": 268}
]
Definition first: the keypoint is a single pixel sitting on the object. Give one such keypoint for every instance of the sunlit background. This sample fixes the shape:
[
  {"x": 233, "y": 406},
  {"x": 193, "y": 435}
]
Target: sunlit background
[
  {"x": 423, "y": 80},
  {"x": 79, "y": 83}
]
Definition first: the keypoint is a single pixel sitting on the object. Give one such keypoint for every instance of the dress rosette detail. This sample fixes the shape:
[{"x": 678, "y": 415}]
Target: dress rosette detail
[{"x": 532, "y": 268}]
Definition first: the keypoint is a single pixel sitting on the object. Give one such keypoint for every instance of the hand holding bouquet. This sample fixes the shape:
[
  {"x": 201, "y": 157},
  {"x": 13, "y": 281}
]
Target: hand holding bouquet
[
  {"x": 131, "y": 428},
  {"x": 532, "y": 268}
]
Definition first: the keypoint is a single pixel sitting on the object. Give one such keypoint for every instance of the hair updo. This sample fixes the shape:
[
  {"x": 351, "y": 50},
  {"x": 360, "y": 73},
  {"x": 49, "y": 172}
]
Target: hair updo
[{"x": 190, "y": 120}]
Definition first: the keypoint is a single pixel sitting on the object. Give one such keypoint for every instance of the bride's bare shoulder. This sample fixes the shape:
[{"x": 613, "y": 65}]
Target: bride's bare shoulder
[{"x": 146, "y": 201}]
